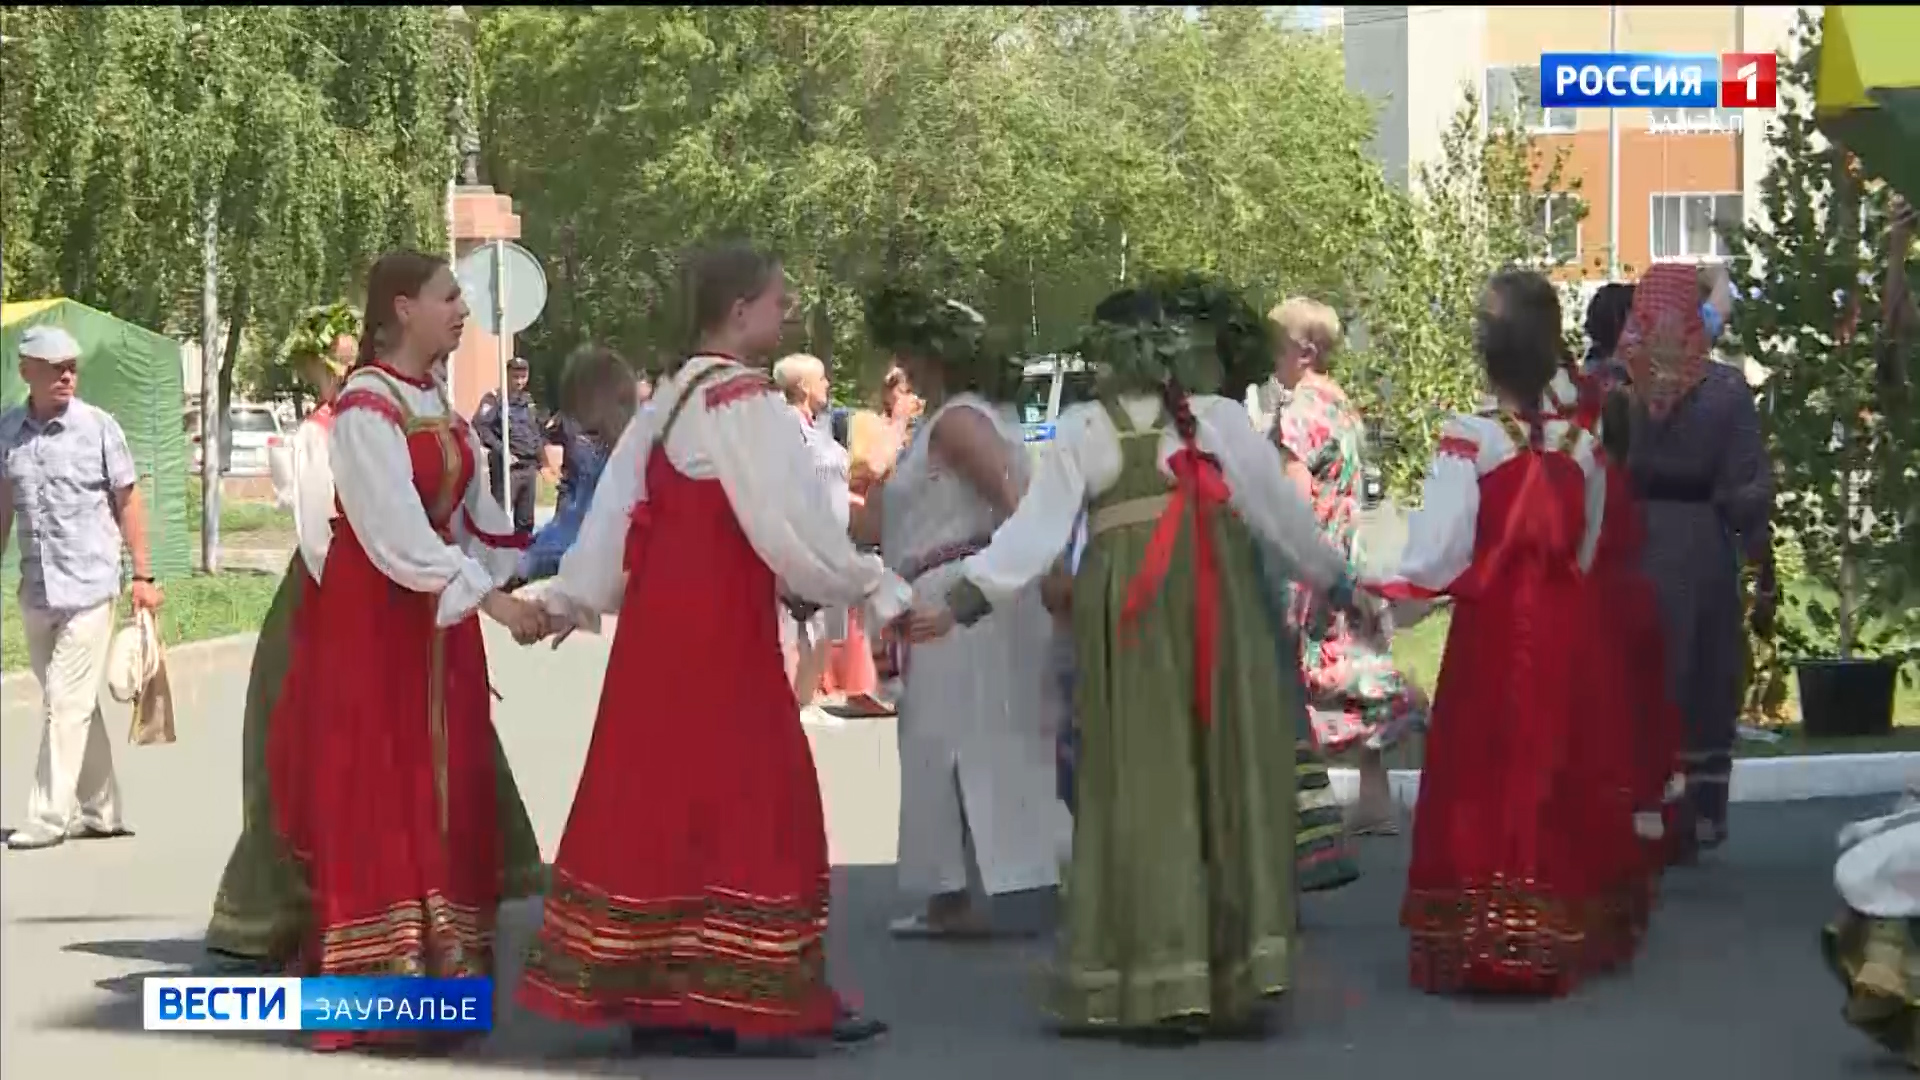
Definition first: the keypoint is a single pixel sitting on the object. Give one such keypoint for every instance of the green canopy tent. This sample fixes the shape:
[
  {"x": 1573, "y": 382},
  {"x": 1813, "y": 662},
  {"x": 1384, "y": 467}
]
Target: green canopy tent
[{"x": 134, "y": 374}]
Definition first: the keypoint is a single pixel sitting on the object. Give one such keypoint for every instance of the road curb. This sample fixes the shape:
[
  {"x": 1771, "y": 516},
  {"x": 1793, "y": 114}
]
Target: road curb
[
  {"x": 1755, "y": 780},
  {"x": 20, "y": 694}
]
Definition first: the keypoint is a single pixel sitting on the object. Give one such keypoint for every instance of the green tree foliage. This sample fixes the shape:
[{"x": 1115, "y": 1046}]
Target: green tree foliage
[
  {"x": 1846, "y": 454},
  {"x": 1020, "y": 158},
  {"x": 1472, "y": 212},
  {"x": 321, "y": 134}
]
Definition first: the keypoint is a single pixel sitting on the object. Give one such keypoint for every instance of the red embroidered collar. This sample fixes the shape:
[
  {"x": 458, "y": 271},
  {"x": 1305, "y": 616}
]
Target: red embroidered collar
[{"x": 419, "y": 382}]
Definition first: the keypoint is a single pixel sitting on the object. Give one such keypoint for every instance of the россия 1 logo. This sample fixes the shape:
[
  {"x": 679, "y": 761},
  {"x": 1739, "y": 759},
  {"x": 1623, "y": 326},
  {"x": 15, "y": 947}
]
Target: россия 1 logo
[{"x": 1658, "y": 80}]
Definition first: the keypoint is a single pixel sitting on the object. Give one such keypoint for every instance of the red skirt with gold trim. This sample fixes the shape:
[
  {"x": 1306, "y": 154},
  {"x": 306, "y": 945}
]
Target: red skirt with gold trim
[
  {"x": 382, "y": 765},
  {"x": 690, "y": 888},
  {"x": 1525, "y": 874}
]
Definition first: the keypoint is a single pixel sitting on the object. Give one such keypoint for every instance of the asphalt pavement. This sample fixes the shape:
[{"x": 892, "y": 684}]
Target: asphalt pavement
[{"x": 1730, "y": 984}]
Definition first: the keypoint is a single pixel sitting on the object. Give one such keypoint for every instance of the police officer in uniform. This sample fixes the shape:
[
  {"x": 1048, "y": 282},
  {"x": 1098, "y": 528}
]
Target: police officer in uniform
[{"x": 526, "y": 441}]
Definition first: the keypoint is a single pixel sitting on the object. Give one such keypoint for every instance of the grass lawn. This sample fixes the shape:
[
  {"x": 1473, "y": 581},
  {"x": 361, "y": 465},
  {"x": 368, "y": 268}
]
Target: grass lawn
[
  {"x": 1418, "y": 648},
  {"x": 197, "y": 608},
  {"x": 245, "y": 524}
]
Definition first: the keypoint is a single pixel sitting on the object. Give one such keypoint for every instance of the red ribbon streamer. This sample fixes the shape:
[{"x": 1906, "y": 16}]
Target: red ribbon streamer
[{"x": 1197, "y": 482}]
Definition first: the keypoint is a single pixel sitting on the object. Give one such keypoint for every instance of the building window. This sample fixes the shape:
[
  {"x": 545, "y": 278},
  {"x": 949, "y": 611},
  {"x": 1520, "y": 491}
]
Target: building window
[
  {"x": 1513, "y": 98},
  {"x": 1692, "y": 226},
  {"x": 1556, "y": 220},
  {"x": 1706, "y": 119}
]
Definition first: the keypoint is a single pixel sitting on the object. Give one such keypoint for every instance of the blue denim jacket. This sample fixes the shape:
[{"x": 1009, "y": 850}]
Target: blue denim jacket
[{"x": 542, "y": 557}]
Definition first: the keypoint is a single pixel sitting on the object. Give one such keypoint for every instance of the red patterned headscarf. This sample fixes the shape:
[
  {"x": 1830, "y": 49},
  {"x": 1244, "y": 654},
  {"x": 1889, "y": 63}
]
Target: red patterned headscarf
[{"x": 1665, "y": 344}]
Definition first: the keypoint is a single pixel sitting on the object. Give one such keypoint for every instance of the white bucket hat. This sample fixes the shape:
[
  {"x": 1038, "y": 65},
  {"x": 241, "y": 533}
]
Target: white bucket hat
[{"x": 50, "y": 343}]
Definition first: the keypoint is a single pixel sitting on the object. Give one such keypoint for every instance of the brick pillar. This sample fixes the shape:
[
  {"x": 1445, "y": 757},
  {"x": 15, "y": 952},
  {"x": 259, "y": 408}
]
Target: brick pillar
[{"x": 480, "y": 215}]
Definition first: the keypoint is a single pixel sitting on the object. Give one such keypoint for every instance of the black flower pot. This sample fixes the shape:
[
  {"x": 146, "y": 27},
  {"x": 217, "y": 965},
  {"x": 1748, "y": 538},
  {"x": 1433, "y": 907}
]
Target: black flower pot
[{"x": 1846, "y": 699}]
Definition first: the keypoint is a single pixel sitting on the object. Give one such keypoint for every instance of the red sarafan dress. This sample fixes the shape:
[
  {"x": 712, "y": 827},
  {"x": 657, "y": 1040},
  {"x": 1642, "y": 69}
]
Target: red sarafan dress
[
  {"x": 1523, "y": 846},
  {"x": 691, "y": 885},
  {"x": 380, "y": 749}
]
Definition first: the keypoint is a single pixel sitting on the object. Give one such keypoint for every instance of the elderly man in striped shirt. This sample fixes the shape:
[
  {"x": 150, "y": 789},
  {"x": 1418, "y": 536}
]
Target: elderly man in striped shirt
[{"x": 67, "y": 479}]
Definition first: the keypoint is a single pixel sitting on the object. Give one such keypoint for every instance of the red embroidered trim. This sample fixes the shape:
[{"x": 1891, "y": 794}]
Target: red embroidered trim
[
  {"x": 322, "y": 416},
  {"x": 421, "y": 382},
  {"x": 367, "y": 399},
  {"x": 513, "y": 541},
  {"x": 1458, "y": 446},
  {"x": 739, "y": 387}
]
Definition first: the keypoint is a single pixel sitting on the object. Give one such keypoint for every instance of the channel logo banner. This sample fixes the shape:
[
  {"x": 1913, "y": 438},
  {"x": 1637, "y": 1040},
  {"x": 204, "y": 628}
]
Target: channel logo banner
[
  {"x": 323, "y": 1004},
  {"x": 1629, "y": 80}
]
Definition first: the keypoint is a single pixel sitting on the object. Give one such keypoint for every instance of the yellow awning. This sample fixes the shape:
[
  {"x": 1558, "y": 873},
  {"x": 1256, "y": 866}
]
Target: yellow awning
[
  {"x": 24, "y": 309},
  {"x": 1867, "y": 92}
]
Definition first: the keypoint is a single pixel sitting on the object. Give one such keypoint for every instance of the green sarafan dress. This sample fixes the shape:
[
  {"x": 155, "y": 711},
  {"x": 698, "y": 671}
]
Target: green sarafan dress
[
  {"x": 1180, "y": 898},
  {"x": 1878, "y": 962},
  {"x": 261, "y": 910}
]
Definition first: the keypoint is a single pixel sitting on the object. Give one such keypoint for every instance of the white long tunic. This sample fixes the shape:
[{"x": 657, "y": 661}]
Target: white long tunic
[
  {"x": 373, "y": 479},
  {"x": 754, "y": 446},
  {"x": 1084, "y": 460},
  {"x": 1441, "y": 533},
  {"x": 303, "y": 486},
  {"x": 1878, "y": 872},
  {"x": 976, "y": 731}
]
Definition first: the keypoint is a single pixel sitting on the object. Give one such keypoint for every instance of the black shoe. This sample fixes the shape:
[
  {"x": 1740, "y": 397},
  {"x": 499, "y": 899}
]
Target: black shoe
[
  {"x": 851, "y": 1029},
  {"x": 690, "y": 1041}
]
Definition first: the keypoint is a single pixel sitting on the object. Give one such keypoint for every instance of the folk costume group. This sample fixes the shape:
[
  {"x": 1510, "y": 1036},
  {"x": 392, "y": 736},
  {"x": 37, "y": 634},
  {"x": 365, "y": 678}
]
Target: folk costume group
[{"x": 1200, "y": 579}]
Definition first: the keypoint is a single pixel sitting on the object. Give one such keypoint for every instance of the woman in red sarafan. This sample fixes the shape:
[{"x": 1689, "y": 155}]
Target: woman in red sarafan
[
  {"x": 381, "y": 747},
  {"x": 1523, "y": 846},
  {"x": 689, "y": 895}
]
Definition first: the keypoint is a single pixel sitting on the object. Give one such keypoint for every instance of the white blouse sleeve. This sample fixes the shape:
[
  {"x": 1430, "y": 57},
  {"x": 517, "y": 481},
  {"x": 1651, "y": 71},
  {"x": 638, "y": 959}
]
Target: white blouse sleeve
[
  {"x": 484, "y": 529},
  {"x": 762, "y": 461},
  {"x": 373, "y": 476},
  {"x": 1029, "y": 542},
  {"x": 311, "y": 497},
  {"x": 1594, "y": 466},
  {"x": 1266, "y": 500},
  {"x": 593, "y": 572},
  {"x": 1440, "y": 533}
]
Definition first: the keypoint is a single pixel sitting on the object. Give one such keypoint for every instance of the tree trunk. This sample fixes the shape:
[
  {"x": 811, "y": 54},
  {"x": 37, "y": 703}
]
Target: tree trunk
[
  {"x": 212, "y": 421},
  {"x": 230, "y": 360}
]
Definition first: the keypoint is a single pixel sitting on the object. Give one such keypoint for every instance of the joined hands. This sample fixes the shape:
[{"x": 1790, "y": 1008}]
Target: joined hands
[{"x": 528, "y": 621}]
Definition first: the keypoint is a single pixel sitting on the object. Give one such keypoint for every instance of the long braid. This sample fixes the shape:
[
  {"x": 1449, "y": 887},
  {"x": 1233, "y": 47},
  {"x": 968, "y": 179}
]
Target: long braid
[
  {"x": 1181, "y": 409},
  {"x": 369, "y": 335}
]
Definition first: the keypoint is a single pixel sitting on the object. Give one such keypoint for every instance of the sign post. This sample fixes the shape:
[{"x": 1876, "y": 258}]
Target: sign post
[{"x": 509, "y": 290}]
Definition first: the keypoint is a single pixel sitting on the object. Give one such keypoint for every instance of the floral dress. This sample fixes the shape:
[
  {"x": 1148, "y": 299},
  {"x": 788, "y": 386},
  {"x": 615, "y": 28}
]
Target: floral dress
[{"x": 1357, "y": 692}]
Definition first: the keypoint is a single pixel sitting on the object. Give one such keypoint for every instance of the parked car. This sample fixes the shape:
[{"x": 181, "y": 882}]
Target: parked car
[{"x": 252, "y": 431}]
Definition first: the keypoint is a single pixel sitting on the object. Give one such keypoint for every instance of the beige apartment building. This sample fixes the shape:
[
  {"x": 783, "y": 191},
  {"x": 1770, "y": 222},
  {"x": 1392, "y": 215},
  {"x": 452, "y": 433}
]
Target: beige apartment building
[{"x": 1680, "y": 171}]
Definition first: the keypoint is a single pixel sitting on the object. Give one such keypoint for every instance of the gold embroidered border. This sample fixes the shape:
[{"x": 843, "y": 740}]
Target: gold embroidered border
[
  {"x": 434, "y": 937},
  {"x": 727, "y": 948}
]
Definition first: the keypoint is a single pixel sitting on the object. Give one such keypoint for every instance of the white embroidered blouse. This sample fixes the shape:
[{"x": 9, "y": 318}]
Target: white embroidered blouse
[
  {"x": 740, "y": 431},
  {"x": 303, "y": 486},
  {"x": 1084, "y": 459},
  {"x": 373, "y": 479},
  {"x": 1441, "y": 533}
]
